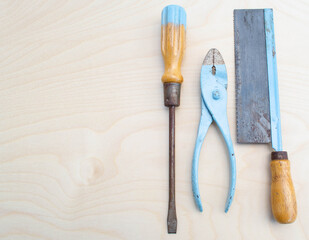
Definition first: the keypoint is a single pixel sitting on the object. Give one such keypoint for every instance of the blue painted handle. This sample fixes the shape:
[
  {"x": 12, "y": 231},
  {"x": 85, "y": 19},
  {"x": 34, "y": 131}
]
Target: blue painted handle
[
  {"x": 205, "y": 122},
  {"x": 174, "y": 14},
  {"x": 224, "y": 128}
]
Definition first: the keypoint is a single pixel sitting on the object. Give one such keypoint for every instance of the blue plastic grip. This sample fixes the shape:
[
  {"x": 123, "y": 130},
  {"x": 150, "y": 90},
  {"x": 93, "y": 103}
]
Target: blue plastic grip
[{"x": 174, "y": 14}]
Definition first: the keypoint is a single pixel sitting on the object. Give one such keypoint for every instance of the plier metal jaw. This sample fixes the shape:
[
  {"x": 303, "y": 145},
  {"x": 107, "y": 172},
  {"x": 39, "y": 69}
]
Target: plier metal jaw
[{"x": 214, "y": 102}]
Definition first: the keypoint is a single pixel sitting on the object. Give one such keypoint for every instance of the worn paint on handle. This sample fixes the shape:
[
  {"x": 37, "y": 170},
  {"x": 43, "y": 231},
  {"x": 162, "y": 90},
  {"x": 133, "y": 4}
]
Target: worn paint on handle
[{"x": 173, "y": 34}]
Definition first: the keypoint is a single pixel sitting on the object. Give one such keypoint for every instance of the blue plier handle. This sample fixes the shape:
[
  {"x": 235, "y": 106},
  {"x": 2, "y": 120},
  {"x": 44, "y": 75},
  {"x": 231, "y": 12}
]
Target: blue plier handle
[{"x": 214, "y": 101}]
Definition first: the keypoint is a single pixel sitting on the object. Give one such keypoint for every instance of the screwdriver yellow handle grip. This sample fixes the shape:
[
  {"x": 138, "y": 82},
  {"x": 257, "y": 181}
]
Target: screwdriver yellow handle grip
[
  {"x": 283, "y": 199},
  {"x": 173, "y": 34}
]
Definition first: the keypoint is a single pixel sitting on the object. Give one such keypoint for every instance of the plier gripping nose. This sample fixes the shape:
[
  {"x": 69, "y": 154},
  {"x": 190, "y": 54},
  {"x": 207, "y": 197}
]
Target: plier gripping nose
[{"x": 214, "y": 101}]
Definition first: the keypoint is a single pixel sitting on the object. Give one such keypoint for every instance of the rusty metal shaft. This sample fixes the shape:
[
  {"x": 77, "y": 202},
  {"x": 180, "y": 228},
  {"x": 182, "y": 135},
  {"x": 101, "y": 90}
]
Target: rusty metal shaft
[
  {"x": 171, "y": 217},
  {"x": 172, "y": 100}
]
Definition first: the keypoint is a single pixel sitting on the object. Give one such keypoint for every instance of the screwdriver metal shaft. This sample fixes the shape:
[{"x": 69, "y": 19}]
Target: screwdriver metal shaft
[{"x": 171, "y": 217}]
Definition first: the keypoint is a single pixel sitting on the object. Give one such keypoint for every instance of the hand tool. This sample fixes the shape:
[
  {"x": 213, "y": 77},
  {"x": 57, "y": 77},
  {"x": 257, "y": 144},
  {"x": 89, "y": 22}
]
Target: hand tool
[
  {"x": 214, "y": 101},
  {"x": 257, "y": 101},
  {"x": 173, "y": 31}
]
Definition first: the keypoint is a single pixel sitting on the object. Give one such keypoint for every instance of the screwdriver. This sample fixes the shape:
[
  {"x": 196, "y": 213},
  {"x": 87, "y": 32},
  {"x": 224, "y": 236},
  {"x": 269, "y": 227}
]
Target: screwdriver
[{"x": 173, "y": 33}]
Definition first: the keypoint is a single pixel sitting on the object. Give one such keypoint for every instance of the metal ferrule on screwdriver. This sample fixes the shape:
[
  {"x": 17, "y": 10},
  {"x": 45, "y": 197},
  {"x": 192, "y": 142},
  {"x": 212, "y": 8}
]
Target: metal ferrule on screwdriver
[{"x": 173, "y": 31}]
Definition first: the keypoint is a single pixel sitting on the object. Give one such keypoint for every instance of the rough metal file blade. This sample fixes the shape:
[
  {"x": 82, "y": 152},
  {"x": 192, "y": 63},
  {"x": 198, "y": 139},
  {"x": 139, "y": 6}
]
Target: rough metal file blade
[{"x": 252, "y": 95}]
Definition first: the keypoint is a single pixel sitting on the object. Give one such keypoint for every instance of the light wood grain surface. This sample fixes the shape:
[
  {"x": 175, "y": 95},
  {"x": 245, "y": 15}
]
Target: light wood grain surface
[{"x": 84, "y": 132}]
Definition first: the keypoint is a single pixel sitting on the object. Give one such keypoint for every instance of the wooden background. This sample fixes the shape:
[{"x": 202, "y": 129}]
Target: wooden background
[{"x": 84, "y": 133}]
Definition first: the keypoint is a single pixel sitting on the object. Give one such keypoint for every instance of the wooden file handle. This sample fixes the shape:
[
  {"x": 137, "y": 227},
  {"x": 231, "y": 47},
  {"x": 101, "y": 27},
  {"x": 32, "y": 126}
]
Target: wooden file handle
[
  {"x": 173, "y": 34},
  {"x": 283, "y": 199}
]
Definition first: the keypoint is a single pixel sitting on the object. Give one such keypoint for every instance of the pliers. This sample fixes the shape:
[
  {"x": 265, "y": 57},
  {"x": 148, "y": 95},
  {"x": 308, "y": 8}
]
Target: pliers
[{"x": 214, "y": 101}]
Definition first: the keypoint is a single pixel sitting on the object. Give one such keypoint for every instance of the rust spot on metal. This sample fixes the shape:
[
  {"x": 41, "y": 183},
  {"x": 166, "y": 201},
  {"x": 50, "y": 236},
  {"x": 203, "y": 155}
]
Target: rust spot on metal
[
  {"x": 274, "y": 52},
  {"x": 213, "y": 70}
]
